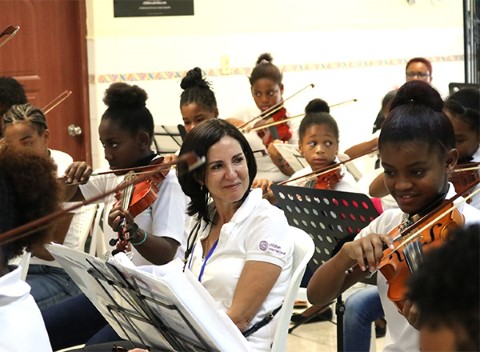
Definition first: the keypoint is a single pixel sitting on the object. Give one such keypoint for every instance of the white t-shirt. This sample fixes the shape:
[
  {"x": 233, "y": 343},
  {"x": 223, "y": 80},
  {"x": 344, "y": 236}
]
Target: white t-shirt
[
  {"x": 346, "y": 184},
  {"x": 476, "y": 198},
  {"x": 256, "y": 232},
  {"x": 22, "y": 324},
  {"x": 401, "y": 336},
  {"x": 266, "y": 169},
  {"x": 164, "y": 218}
]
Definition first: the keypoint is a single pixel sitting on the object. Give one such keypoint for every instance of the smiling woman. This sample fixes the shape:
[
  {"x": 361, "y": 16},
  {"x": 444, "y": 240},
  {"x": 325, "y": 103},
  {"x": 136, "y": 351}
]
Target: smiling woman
[{"x": 237, "y": 247}]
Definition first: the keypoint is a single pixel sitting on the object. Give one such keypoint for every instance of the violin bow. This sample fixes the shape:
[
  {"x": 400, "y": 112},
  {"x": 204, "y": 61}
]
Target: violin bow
[
  {"x": 10, "y": 31},
  {"x": 316, "y": 173},
  {"x": 467, "y": 167},
  {"x": 274, "y": 108},
  {"x": 57, "y": 101},
  {"x": 24, "y": 230},
  {"x": 274, "y": 123},
  {"x": 190, "y": 158}
]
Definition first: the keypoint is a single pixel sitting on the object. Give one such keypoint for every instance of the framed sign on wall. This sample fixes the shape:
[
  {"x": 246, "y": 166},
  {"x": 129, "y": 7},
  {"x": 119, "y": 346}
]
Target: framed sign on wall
[{"x": 142, "y": 8}]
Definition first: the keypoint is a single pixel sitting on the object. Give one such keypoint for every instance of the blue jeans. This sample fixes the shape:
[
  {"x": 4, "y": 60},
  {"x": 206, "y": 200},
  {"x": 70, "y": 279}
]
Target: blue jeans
[
  {"x": 72, "y": 322},
  {"x": 50, "y": 285},
  {"x": 361, "y": 309}
]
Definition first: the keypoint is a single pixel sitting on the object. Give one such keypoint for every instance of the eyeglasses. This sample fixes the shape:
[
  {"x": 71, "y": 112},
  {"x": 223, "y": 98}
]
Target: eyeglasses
[{"x": 417, "y": 74}]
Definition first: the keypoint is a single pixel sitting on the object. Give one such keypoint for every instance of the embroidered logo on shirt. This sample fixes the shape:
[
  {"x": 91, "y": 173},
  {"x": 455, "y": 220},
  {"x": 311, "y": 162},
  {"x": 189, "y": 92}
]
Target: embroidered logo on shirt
[
  {"x": 271, "y": 247},
  {"x": 263, "y": 245}
]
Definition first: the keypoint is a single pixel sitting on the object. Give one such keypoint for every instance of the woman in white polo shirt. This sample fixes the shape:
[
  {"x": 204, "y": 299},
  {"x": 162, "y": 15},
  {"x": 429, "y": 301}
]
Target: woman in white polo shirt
[{"x": 237, "y": 246}]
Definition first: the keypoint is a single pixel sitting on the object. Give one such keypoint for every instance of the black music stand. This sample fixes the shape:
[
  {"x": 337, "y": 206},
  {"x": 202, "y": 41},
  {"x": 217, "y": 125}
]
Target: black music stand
[
  {"x": 331, "y": 218},
  {"x": 167, "y": 139}
]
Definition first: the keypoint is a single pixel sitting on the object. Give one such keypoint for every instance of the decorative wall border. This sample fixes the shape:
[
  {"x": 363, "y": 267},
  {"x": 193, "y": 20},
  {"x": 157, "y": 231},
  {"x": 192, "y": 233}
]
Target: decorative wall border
[{"x": 166, "y": 75}]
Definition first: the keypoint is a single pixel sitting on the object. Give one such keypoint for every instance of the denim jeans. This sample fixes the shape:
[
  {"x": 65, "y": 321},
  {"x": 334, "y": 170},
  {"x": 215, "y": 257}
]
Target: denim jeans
[
  {"x": 50, "y": 285},
  {"x": 72, "y": 322},
  {"x": 362, "y": 308}
]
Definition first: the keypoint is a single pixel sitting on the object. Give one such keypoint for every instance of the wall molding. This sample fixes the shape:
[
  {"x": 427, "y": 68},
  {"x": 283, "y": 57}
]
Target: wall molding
[{"x": 245, "y": 71}]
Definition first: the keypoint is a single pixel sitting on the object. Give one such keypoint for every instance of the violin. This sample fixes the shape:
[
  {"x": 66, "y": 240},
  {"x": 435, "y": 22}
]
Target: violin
[
  {"x": 463, "y": 175},
  {"x": 137, "y": 197},
  {"x": 280, "y": 131},
  {"x": 397, "y": 264},
  {"x": 329, "y": 179}
]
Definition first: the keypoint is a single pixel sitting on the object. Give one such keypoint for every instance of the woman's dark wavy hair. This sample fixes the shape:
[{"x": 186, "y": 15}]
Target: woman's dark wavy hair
[
  {"x": 28, "y": 191},
  {"x": 264, "y": 68},
  {"x": 197, "y": 90},
  {"x": 416, "y": 116},
  {"x": 127, "y": 108},
  {"x": 199, "y": 140},
  {"x": 318, "y": 118},
  {"x": 446, "y": 287},
  {"x": 465, "y": 105}
]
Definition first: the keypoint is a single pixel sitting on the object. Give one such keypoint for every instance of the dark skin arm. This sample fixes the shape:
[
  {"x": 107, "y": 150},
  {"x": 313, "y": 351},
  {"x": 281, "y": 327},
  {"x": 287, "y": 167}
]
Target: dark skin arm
[
  {"x": 377, "y": 187},
  {"x": 77, "y": 173},
  {"x": 331, "y": 279},
  {"x": 157, "y": 250},
  {"x": 362, "y": 148}
]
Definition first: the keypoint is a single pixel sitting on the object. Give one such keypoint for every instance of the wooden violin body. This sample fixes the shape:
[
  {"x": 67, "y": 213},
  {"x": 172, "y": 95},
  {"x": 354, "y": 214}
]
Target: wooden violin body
[
  {"x": 397, "y": 264},
  {"x": 136, "y": 198},
  {"x": 280, "y": 131},
  {"x": 329, "y": 179},
  {"x": 464, "y": 175}
]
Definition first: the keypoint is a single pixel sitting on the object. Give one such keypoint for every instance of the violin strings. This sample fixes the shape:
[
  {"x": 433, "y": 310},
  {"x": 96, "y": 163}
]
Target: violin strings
[{"x": 413, "y": 236}]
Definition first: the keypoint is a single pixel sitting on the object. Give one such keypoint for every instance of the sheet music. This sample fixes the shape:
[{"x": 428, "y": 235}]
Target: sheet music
[
  {"x": 292, "y": 155},
  {"x": 175, "y": 301}
]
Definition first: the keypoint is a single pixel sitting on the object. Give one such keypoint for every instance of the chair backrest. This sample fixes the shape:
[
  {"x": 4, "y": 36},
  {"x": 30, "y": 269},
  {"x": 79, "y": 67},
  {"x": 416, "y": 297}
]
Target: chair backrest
[
  {"x": 80, "y": 227},
  {"x": 22, "y": 261},
  {"x": 97, "y": 243},
  {"x": 302, "y": 253}
]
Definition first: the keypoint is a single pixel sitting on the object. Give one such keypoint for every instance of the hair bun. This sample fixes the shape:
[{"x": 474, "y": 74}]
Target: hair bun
[
  {"x": 265, "y": 58},
  {"x": 123, "y": 95},
  {"x": 194, "y": 78},
  {"x": 418, "y": 93}
]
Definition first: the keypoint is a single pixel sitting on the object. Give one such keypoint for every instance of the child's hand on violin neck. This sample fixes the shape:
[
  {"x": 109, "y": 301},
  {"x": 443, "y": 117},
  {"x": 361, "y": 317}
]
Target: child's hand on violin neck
[
  {"x": 119, "y": 217},
  {"x": 367, "y": 252},
  {"x": 77, "y": 172}
]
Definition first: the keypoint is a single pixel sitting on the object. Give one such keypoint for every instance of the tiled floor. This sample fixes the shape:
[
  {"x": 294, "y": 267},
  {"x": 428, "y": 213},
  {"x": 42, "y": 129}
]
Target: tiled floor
[{"x": 319, "y": 336}]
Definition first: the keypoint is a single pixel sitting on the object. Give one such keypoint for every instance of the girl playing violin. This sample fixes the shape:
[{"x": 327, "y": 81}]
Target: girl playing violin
[
  {"x": 126, "y": 132},
  {"x": 267, "y": 91},
  {"x": 417, "y": 152},
  {"x": 318, "y": 143},
  {"x": 462, "y": 108}
]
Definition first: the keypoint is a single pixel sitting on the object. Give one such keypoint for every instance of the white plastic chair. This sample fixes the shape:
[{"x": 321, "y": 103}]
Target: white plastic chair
[
  {"x": 24, "y": 262},
  {"x": 302, "y": 253},
  {"x": 97, "y": 243},
  {"x": 80, "y": 227}
]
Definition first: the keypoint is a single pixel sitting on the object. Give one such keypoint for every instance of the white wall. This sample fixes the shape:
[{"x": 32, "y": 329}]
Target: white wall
[{"x": 347, "y": 48}]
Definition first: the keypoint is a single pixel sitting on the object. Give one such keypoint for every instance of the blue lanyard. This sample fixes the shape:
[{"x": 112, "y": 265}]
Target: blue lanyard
[{"x": 210, "y": 252}]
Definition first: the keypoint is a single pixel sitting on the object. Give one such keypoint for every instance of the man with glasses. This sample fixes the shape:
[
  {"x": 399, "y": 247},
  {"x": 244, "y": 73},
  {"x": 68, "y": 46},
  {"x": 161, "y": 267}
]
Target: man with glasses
[{"x": 419, "y": 68}]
